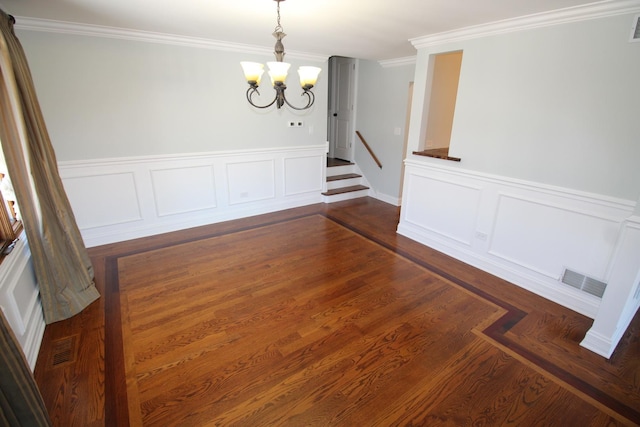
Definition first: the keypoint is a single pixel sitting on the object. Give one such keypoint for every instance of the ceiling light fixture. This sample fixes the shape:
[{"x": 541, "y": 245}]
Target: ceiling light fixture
[{"x": 278, "y": 72}]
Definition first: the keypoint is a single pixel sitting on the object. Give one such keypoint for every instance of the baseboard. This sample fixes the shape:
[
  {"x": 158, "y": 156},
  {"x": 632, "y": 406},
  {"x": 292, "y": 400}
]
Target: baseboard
[
  {"x": 395, "y": 201},
  {"x": 600, "y": 344},
  {"x": 97, "y": 237},
  {"x": 34, "y": 338}
]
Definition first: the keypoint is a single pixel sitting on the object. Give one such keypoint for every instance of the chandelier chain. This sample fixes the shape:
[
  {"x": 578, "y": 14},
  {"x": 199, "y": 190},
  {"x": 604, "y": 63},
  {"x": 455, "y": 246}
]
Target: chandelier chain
[{"x": 278, "y": 27}]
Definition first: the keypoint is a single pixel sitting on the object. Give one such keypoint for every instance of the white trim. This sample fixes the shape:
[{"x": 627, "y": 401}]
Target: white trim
[
  {"x": 599, "y": 199},
  {"x": 227, "y": 206},
  {"x": 34, "y": 337},
  {"x": 25, "y": 315},
  {"x": 564, "y": 295},
  {"x": 64, "y": 27},
  {"x": 204, "y": 156},
  {"x": 595, "y": 10},
  {"x": 19, "y": 311},
  {"x": 556, "y": 276},
  {"x": 599, "y": 344},
  {"x": 398, "y": 62},
  {"x": 532, "y": 274},
  {"x": 392, "y": 200},
  {"x": 323, "y": 177}
]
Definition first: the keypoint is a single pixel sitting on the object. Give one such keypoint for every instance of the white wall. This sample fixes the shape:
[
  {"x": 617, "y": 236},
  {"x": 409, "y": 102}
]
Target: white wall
[
  {"x": 546, "y": 126},
  {"x": 381, "y": 108}
]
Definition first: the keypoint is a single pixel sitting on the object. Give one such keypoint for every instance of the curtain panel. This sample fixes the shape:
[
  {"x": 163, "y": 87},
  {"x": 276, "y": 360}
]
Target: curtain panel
[
  {"x": 20, "y": 401},
  {"x": 62, "y": 266}
]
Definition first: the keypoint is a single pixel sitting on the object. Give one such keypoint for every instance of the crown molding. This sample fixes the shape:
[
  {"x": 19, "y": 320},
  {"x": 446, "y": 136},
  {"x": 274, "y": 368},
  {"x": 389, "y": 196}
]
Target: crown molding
[
  {"x": 63, "y": 27},
  {"x": 590, "y": 11},
  {"x": 398, "y": 62}
]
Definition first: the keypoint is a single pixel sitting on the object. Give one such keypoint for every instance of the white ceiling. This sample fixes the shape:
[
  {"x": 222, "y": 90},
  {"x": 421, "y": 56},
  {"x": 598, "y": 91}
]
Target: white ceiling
[{"x": 367, "y": 29}]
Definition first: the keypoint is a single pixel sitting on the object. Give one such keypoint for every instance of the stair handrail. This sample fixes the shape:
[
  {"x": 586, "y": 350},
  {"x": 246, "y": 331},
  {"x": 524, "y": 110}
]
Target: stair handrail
[{"x": 375, "y": 159}]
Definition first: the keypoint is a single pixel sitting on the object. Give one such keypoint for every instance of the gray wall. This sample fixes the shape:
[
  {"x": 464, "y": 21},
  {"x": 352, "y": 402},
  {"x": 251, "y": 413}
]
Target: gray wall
[
  {"x": 555, "y": 105},
  {"x": 381, "y": 107},
  {"x": 106, "y": 98}
]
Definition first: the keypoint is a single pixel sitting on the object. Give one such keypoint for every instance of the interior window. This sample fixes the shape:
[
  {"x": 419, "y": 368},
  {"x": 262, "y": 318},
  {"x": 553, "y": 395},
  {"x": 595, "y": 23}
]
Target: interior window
[{"x": 442, "y": 104}]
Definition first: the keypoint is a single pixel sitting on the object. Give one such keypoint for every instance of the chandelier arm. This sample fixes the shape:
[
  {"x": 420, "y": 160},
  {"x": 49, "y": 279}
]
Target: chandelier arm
[
  {"x": 253, "y": 90},
  {"x": 310, "y": 100}
]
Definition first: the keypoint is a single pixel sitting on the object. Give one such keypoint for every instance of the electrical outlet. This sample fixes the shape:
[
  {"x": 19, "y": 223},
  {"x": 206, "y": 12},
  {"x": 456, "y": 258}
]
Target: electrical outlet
[
  {"x": 299, "y": 124},
  {"x": 291, "y": 124}
]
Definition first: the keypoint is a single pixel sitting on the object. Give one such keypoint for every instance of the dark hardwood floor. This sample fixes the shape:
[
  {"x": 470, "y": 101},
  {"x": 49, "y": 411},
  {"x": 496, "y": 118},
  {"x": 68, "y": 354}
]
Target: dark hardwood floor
[{"x": 322, "y": 315}]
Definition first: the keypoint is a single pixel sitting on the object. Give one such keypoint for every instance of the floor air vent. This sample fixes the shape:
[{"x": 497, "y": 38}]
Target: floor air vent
[
  {"x": 584, "y": 283},
  {"x": 63, "y": 352}
]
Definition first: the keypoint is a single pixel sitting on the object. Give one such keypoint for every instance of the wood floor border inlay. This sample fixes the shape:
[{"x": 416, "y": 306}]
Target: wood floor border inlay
[
  {"x": 116, "y": 401},
  {"x": 498, "y": 329}
]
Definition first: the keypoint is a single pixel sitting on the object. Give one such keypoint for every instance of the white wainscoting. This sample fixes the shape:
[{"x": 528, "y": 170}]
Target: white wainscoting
[
  {"x": 125, "y": 198},
  {"x": 20, "y": 300},
  {"x": 526, "y": 233}
]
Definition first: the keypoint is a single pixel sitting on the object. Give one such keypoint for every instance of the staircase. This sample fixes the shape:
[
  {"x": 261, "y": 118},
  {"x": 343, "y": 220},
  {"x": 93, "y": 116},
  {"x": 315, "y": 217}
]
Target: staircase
[{"x": 343, "y": 182}]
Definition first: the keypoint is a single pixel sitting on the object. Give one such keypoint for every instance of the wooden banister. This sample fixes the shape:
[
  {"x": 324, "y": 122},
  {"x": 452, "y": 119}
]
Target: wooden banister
[{"x": 375, "y": 159}]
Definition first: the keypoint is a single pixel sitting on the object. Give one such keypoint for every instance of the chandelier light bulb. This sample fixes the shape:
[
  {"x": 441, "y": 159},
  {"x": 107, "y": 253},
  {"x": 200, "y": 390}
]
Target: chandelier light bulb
[
  {"x": 308, "y": 76},
  {"x": 252, "y": 72},
  {"x": 278, "y": 71}
]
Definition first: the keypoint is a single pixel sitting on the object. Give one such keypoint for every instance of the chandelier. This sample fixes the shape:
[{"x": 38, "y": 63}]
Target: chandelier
[{"x": 278, "y": 72}]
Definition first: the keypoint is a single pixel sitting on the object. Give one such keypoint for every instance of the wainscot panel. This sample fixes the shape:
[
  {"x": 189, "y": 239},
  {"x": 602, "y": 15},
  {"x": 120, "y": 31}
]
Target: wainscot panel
[
  {"x": 296, "y": 180},
  {"x": 546, "y": 241},
  {"x": 251, "y": 181},
  {"x": 20, "y": 300},
  {"x": 524, "y": 232},
  {"x": 95, "y": 202},
  {"x": 444, "y": 207},
  {"x": 173, "y": 197},
  {"x": 126, "y": 198}
]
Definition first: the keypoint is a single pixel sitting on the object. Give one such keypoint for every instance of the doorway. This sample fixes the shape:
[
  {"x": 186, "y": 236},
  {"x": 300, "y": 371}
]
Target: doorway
[
  {"x": 341, "y": 112},
  {"x": 406, "y": 139}
]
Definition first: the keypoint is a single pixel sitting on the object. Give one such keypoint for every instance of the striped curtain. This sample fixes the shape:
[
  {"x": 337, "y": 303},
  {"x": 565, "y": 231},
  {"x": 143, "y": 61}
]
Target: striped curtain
[
  {"x": 20, "y": 400},
  {"x": 61, "y": 262}
]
